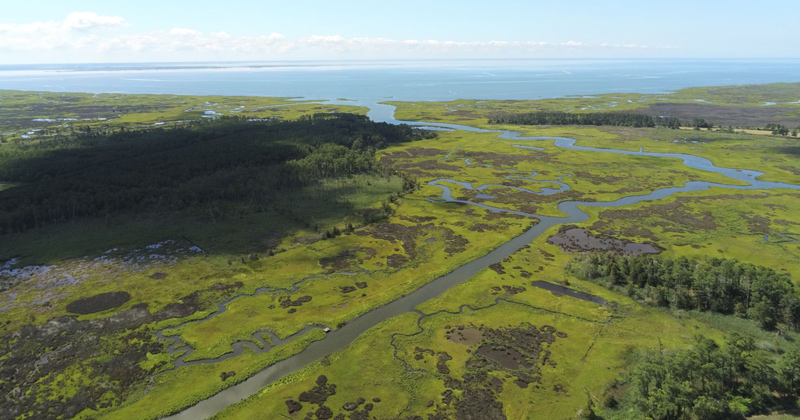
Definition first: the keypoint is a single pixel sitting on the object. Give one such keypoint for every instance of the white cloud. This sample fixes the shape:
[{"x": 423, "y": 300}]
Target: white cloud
[
  {"x": 90, "y": 20},
  {"x": 77, "y": 21},
  {"x": 181, "y": 39},
  {"x": 87, "y": 34},
  {"x": 76, "y": 31}
]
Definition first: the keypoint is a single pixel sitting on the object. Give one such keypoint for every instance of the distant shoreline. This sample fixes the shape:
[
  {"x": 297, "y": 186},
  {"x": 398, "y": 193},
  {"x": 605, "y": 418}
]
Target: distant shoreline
[{"x": 401, "y": 80}]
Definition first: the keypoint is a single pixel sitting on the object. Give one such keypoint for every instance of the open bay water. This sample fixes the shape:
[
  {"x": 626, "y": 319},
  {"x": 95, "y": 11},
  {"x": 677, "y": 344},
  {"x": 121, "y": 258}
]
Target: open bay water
[{"x": 402, "y": 80}]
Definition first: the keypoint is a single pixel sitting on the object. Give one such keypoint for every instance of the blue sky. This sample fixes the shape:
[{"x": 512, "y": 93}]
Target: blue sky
[{"x": 202, "y": 30}]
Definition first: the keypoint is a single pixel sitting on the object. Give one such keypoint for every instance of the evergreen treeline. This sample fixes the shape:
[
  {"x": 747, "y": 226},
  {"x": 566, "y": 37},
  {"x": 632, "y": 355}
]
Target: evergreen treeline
[
  {"x": 726, "y": 286},
  {"x": 624, "y": 119},
  {"x": 219, "y": 166},
  {"x": 712, "y": 382}
]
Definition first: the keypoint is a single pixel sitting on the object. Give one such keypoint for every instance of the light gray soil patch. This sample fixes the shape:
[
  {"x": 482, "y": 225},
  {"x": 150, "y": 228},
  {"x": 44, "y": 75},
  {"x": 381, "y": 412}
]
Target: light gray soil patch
[{"x": 467, "y": 336}]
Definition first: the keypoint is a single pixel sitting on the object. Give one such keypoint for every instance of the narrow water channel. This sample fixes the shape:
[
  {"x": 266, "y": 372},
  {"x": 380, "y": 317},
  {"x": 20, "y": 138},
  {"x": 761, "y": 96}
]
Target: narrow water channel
[{"x": 341, "y": 338}]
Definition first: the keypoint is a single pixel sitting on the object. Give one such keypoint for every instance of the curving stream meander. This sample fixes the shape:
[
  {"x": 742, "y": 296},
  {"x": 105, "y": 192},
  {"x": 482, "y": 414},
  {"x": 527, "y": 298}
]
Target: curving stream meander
[{"x": 342, "y": 337}]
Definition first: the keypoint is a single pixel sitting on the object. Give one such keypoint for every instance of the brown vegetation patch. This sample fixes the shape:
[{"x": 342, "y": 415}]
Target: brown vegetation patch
[
  {"x": 396, "y": 260},
  {"x": 455, "y": 243},
  {"x": 226, "y": 286},
  {"x": 638, "y": 231},
  {"x": 513, "y": 290},
  {"x": 492, "y": 215},
  {"x": 497, "y": 268},
  {"x": 675, "y": 216},
  {"x": 509, "y": 349},
  {"x": 791, "y": 150},
  {"x": 419, "y": 350},
  {"x": 393, "y": 232},
  {"x": 98, "y": 303},
  {"x": 483, "y": 227},
  {"x": 307, "y": 240},
  {"x": 573, "y": 239},
  {"x": 318, "y": 395},
  {"x": 793, "y": 169},
  {"x": 346, "y": 259},
  {"x": 389, "y": 158},
  {"x": 441, "y": 362},
  {"x": 757, "y": 223},
  {"x": 497, "y": 160},
  {"x": 426, "y": 165},
  {"x": 725, "y": 115},
  {"x": 598, "y": 179},
  {"x": 479, "y": 403},
  {"x": 425, "y": 151},
  {"x": 523, "y": 380},
  {"x": 286, "y": 301},
  {"x": 517, "y": 349},
  {"x": 547, "y": 256},
  {"x": 417, "y": 219}
]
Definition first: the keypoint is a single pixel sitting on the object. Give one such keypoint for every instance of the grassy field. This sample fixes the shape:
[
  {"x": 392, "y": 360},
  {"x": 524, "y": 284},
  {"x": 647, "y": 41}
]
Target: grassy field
[
  {"x": 737, "y": 106},
  {"x": 39, "y": 115}
]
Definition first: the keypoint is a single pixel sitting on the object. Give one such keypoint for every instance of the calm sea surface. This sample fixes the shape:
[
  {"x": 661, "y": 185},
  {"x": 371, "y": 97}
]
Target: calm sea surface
[{"x": 374, "y": 81}]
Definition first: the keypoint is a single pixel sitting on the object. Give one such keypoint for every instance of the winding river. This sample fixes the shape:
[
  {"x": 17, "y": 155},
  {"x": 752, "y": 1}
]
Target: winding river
[{"x": 342, "y": 337}]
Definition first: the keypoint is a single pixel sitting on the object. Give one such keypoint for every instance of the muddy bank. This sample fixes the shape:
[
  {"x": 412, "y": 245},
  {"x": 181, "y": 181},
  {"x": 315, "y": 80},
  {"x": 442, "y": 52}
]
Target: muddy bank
[
  {"x": 98, "y": 303},
  {"x": 580, "y": 240},
  {"x": 466, "y": 336},
  {"x": 558, "y": 289}
]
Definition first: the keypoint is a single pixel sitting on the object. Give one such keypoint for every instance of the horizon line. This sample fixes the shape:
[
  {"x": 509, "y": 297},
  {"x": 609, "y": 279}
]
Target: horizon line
[{"x": 366, "y": 60}]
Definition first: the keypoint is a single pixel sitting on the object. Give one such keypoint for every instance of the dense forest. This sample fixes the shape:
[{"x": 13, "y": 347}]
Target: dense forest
[
  {"x": 725, "y": 286},
  {"x": 711, "y": 382},
  {"x": 595, "y": 118},
  {"x": 225, "y": 165}
]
